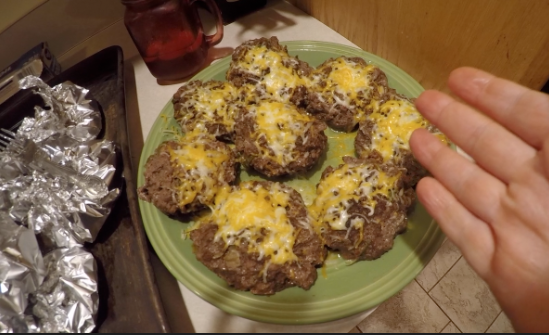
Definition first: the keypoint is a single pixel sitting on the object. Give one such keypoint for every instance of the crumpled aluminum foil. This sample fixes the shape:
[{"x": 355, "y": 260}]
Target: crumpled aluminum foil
[
  {"x": 66, "y": 131},
  {"x": 69, "y": 113},
  {"x": 21, "y": 266},
  {"x": 67, "y": 301},
  {"x": 53, "y": 288},
  {"x": 57, "y": 293}
]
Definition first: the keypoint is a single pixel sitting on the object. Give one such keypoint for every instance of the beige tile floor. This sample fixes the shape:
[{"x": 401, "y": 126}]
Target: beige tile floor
[{"x": 447, "y": 297}]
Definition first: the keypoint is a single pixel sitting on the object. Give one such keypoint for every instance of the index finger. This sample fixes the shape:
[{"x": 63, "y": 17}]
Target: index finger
[{"x": 522, "y": 111}]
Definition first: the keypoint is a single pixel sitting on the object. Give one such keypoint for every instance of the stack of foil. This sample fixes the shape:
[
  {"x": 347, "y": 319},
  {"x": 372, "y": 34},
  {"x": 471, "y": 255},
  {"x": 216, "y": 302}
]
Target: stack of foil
[{"x": 48, "y": 281}]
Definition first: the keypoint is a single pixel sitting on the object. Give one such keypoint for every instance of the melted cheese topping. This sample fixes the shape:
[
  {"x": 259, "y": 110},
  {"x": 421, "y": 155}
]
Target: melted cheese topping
[
  {"x": 257, "y": 215},
  {"x": 345, "y": 82},
  {"x": 198, "y": 170},
  {"x": 280, "y": 125},
  {"x": 268, "y": 66},
  {"x": 395, "y": 121},
  {"x": 337, "y": 190},
  {"x": 212, "y": 102}
]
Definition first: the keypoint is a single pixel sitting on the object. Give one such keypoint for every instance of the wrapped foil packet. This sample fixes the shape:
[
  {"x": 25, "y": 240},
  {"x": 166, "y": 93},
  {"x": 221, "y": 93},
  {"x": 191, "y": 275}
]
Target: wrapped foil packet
[
  {"x": 21, "y": 266},
  {"x": 70, "y": 113},
  {"x": 65, "y": 133},
  {"x": 63, "y": 300},
  {"x": 51, "y": 286},
  {"x": 67, "y": 300}
]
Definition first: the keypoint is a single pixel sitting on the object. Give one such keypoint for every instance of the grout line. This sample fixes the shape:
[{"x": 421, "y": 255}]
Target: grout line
[
  {"x": 445, "y": 326},
  {"x": 424, "y": 290},
  {"x": 436, "y": 303},
  {"x": 491, "y": 324},
  {"x": 450, "y": 269},
  {"x": 356, "y": 328},
  {"x": 443, "y": 311},
  {"x": 433, "y": 300}
]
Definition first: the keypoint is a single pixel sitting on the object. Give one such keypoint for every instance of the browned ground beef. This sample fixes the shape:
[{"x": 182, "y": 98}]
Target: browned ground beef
[
  {"x": 306, "y": 155},
  {"x": 363, "y": 140},
  {"x": 161, "y": 179},
  {"x": 243, "y": 270},
  {"x": 159, "y": 182},
  {"x": 192, "y": 115},
  {"x": 380, "y": 229},
  {"x": 239, "y": 78},
  {"x": 337, "y": 116}
]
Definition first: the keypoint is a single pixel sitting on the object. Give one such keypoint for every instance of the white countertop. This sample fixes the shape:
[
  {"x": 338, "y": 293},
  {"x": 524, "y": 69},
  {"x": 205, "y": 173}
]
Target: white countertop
[{"x": 145, "y": 99}]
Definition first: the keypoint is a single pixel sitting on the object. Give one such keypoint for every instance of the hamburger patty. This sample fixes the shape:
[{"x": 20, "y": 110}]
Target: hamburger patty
[
  {"x": 259, "y": 238},
  {"x": 276, "y": 139},
  {"x": 385, "y": 135},
  {"x": 344, "y": 90},
  {"x": 208, "y": 107},
  {"x": 361, "y": 207},
  {"x": 265, "y": 70},
  {"x": 184, "y": 177}
]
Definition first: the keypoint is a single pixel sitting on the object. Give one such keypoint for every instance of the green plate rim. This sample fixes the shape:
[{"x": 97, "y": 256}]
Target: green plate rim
[{"x": 232, "y": 301}]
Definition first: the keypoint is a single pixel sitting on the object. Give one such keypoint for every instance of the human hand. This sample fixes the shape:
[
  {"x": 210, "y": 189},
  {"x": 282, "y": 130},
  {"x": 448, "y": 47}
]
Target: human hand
[{"x": 495, "y": 209}]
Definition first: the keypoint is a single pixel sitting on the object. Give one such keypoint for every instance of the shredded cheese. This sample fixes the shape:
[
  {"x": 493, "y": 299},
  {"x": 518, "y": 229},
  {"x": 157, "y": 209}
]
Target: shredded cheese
[
  {"x": 395, "y": 121},
  {"x": 276, "y": 80},
  {"x": 212, "y": 102},
  {"x": 344, "y": 84},
  {"x": 198, "y": 170},
  {"x": 280, "y": 125},
  {"x": 258, "y": 215},
  {"x": 336, "y": 192}
]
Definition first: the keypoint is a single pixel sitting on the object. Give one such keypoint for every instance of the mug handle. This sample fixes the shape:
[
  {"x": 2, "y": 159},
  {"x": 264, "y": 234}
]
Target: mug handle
[{"x": 212, "y": 40}]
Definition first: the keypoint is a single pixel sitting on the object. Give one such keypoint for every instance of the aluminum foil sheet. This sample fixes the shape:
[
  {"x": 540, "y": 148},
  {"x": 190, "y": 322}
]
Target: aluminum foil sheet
[{"x": 51, "y": 286}]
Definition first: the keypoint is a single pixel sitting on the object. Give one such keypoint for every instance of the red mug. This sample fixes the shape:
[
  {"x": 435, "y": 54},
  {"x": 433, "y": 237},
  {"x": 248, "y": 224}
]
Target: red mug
[{"x": 169, "y": 35}]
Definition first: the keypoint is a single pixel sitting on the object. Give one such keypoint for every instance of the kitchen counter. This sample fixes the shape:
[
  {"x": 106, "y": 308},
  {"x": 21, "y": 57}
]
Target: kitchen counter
[{"x": 145, "y": 99}]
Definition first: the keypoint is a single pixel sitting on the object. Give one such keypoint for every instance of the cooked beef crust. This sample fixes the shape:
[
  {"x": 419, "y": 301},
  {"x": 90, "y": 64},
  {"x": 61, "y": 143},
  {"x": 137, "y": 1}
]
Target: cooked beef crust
[
  {"x": 363, "y": 141},
  {"x": 244, "y": 271},
  {"x": 222, "y": 131},
  {"x": 306, "y": 155},
  {"x": 161, "y": 179},
  {"x": 341, "y": 117},
  {"x": 380, "y": 229},
  {"x": 239, "y": 78}
]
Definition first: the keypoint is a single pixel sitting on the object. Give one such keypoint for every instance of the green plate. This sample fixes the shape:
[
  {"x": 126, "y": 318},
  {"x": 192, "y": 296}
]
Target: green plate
[{"x": 341, "y": 290}]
